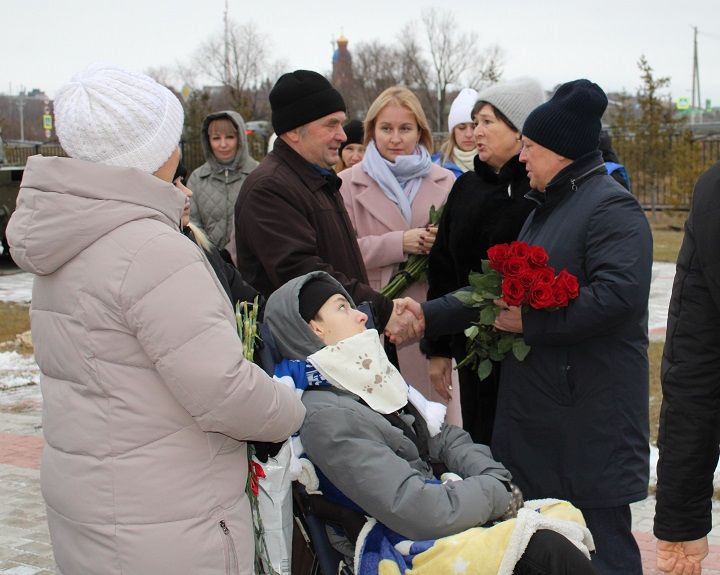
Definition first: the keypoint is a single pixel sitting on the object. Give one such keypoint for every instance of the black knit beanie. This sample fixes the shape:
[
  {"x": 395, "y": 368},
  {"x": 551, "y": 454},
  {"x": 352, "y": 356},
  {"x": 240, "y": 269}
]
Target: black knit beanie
[
  {"x": 569, "y": 123},
  {"x": 354, "y": 132},
  {"x": 300, "y": 97},
  {"x": 314, "y": 294}
]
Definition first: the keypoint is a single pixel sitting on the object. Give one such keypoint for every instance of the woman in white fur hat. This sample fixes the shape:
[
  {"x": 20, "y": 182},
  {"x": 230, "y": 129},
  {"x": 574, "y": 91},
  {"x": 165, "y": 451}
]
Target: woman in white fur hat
[{"x": 147, "y": 400}]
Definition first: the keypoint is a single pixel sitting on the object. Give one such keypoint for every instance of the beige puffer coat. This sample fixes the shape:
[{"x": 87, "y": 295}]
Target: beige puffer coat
[{"x": 147, "y": 399}]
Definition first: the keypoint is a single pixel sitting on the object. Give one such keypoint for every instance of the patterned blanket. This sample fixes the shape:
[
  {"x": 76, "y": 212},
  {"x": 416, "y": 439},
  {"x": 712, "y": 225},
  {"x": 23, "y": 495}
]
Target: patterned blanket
[{"x": 479, "y": 551}]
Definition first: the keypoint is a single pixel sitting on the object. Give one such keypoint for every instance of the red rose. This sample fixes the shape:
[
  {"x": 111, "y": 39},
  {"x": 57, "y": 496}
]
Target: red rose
[
  {"x": 527, "y": 278},
  {"x": 520, "y": 249},
  {"x": 515, "y": 266},
  {"x": 498, "y": 255},
  {"x": 513, "y": 292},
  {"x": 568, "y": 282},
  {"x": 537, "y": 258},
  {"x": 544, "y": 276},
  {"x": 560, "y": 295},
  {"x": 541, "y": 296}
]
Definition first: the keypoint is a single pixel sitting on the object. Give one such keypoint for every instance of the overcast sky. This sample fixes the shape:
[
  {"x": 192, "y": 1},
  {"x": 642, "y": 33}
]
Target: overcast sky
[{"x": 44, "y": 42}]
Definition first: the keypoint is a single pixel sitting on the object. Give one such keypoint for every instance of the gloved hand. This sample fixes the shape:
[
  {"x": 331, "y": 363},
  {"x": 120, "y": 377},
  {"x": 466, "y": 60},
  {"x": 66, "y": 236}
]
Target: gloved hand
[
  {"x": 516, "y": 503},
  {"x": 265, "y": 449}
]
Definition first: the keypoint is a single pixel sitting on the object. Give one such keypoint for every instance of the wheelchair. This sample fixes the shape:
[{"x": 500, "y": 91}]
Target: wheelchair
[{"x": 324, "y": 532}]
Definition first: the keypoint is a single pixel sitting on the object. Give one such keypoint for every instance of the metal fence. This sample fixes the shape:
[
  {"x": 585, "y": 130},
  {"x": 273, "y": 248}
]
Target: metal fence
[{"x": 662, "y": 175}]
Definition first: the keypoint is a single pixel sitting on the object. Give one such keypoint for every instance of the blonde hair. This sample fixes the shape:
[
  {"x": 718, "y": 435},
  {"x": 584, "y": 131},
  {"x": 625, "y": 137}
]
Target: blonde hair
[
  {"x": 200, "y": 238},
  {"x": 400, "y": 96},
  {"x": 447, "y": 148}
]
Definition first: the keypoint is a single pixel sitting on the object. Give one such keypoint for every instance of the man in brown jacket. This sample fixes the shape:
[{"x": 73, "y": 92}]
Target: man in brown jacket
[{"x": 289, "y": 217}]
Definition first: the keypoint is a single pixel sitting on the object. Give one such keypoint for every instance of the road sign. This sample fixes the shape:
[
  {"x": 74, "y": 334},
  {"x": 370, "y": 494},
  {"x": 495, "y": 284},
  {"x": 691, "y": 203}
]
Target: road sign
[
  {"x": 682, "y": 103},
  {"x": 47, "y": 122}
]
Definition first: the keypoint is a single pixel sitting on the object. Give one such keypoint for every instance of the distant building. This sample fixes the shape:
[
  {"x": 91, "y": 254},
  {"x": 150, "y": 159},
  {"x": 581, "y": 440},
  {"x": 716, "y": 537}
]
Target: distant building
[{"x": 342, "y": 72}]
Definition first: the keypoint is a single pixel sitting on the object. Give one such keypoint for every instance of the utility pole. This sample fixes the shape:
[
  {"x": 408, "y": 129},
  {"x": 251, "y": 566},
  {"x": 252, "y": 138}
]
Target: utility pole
[
  {"x": 21, "y": 110},
  {"x": 227, "y": 46},
  {"x": 696, "y": 98}
]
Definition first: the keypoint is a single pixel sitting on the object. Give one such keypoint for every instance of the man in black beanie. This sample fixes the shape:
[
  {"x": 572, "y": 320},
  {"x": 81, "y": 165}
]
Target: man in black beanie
[
  {"x": 289, "y": 216},
  {"x": 572, "y": 419}
]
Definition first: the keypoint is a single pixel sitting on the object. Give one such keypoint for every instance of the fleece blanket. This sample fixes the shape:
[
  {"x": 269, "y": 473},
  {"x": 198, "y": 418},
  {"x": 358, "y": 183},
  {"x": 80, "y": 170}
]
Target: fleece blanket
[{"x": 479, "y": 551}]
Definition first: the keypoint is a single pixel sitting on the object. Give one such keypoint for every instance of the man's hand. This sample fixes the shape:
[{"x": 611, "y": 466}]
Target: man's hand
[
  {"x": 682, "y": 557},
  {"x": 441, "y": 376},
  {"x": 407, "y": 322},
  {"x": 509, "y": 318}
]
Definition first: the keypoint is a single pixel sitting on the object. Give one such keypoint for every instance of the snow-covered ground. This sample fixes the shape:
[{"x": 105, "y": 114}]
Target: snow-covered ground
[{"x": 19, "y": 375}]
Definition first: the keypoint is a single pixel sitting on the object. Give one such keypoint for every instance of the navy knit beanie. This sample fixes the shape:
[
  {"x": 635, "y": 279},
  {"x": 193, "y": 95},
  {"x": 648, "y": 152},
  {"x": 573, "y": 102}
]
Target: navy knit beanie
[
  {"x": 300, "y": 97},
  {"x": 569, "y": 123}
]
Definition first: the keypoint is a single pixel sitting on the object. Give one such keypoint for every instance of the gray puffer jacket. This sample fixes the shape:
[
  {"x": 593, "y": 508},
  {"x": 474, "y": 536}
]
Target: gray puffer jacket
[
  {"x": 373, "y": 463},
  {"x": 216, "y": 186}
]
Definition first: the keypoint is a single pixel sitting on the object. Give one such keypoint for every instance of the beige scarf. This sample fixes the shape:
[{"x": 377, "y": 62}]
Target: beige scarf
[{"x": 466, "y": 160}]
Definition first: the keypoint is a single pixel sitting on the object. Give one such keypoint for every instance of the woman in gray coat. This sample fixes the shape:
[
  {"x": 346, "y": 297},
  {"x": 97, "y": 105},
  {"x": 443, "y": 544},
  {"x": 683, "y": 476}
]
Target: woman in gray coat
[{"x": 217, "y": 182}]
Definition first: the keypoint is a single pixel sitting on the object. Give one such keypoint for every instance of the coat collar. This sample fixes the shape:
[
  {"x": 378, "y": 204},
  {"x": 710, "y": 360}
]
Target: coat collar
[
  {"x": 370, "y": 196},
  {"x": 309, "y": 175},
  {"x": 569, "y": 179}
]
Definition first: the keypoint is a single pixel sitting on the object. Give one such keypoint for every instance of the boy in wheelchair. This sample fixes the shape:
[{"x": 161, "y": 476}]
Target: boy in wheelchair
[{"x": 377, "y": 445}]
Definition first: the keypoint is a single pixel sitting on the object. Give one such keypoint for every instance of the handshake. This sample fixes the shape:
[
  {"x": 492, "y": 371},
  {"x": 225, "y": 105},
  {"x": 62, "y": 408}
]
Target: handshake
[{"x": 407, "y": 322}]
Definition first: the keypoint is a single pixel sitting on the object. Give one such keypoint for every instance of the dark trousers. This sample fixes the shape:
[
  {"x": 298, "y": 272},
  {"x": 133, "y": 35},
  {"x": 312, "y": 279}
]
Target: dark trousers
[
  {"x": 478, "y": 401},
  {"x": 616, "y": 551},
  {"x": 549, "y": 553}
]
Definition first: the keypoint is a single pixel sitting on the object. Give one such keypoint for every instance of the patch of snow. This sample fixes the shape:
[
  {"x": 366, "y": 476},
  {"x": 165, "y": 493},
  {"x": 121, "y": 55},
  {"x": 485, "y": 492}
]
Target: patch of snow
[
  {"x": 17, "y": 370},
  {"x": 16, "y": 287}
]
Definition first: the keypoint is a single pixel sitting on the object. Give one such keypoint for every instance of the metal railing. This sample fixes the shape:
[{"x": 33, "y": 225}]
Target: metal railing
[{"x": 662, "y": 177}]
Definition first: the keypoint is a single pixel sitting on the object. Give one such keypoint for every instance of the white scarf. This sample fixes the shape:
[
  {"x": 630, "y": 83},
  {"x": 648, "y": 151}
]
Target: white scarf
[
  {"x": 464, "y": 160},
  {"x": 358, "y": 364},
  {"x": 399, "y": 180}
]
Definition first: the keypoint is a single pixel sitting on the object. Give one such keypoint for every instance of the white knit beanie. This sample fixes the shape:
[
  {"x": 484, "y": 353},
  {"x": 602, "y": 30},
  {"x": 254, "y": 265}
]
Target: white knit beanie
[
  {"x": 515, "y": 98},
  {"x": 461, "y": 108},
  {"x": 113, "y": 116}
]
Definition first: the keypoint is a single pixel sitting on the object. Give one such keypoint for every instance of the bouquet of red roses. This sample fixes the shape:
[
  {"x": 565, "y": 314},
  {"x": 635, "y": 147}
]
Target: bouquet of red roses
[{"x": 519, "y": 274}]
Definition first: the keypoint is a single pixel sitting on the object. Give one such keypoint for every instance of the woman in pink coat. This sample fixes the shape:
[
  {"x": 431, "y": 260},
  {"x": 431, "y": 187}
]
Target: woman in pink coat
[{"x": 388, "y": 197}]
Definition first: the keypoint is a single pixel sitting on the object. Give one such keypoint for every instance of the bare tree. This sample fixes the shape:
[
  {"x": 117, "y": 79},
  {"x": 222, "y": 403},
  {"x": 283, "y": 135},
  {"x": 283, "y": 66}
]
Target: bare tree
[
  {"x": 376, "y": 67},
  {"x": 239, "y": 61},
  {"x": 448, "y": 57}
]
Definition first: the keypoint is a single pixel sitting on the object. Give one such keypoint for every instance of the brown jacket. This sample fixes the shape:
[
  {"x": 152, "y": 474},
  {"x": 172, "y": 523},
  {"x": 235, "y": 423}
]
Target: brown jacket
[
  {"x": 147, "y": 399},
  {"x": 290, "y": 220}
]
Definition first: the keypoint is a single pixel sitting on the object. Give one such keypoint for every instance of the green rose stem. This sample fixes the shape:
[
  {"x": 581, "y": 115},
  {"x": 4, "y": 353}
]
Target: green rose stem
[
  {"x": 246, "y": 319},
  {"x": 415, "y": 267}
]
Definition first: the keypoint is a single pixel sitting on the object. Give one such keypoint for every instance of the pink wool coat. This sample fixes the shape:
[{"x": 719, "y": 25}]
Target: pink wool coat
[
  {"x": 379, "y": 225},
  {"x": 147, "y": 400}
]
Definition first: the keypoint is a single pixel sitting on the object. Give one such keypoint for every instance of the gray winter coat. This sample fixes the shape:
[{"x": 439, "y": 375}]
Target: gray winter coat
[
  {"x": 215, "y": 187},
  {"x": 147, "y": 400},
  {"x": 373, "y": 463}
]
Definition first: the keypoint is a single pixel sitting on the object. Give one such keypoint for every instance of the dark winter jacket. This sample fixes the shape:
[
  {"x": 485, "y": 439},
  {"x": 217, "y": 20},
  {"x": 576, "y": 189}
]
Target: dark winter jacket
[
  {"x": 216, "y": 186},
  {"x": 291, "y": 220},
  {"x": 572, "y": 419},
  {"x": 236, "y": 288},
  {"x": 690, "y": 415},
  {"x": 484, "y": 208}
]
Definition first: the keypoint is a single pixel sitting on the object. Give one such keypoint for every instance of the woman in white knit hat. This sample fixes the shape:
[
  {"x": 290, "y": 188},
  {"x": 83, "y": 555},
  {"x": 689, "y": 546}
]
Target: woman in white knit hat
[
  {"x": 147, "y": 400},
  {"x": 458, "y": 151},
  {"x": 486, "y": 206}
]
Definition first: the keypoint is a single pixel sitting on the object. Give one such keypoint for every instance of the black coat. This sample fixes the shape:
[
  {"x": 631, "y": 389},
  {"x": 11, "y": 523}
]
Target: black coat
[
  {"x": 236, "y": 288},
  {"x": 483, "y": 208},
  {"x": 690, "y": 415},
  {"x": 291, "y": 220},
  {"x": 572, "y": 419}
]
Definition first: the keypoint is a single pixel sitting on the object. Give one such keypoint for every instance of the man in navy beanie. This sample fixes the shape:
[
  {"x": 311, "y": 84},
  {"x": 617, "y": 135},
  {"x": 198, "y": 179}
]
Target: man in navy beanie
[
  {"x": 572, "y": 418},
  {"x": 289, "y": 216}
]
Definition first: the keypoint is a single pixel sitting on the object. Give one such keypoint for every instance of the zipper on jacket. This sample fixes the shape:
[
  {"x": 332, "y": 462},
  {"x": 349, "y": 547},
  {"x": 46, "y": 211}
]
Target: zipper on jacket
[
  {"x": 226, "y": 175},
  {"x": 231, "y": 563}
]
